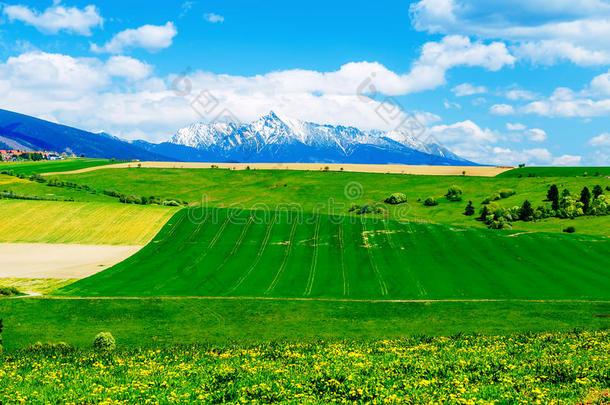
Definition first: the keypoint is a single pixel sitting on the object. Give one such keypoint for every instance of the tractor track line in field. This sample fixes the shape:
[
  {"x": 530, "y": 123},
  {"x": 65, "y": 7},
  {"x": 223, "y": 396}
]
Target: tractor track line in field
[
  {"x": 238, "y": 242},
  {"x": 219, "y": 232},
  {"x": 341, "y": 253},
  {"x": 314, "y": 259},
  {"x": 382, "y": 285},
  {"x": 258, "y": 256},
  {"x": 390, "y": 239},
  {"x": 406, "y": 301},
  {"x": 286, "y": 257}
]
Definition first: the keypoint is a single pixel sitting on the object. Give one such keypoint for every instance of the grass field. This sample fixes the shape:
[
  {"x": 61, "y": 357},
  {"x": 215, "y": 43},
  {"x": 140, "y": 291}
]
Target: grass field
[
  {"x": 149, "y": 322},
  {"x": 334, "y": 192},
  {"x": 459, "y": 369},
  {"x": 53, "y": 166},
  {"x": 84, "y": 223},
  {"x": 255, "y": 253},
  {"x": 557, "y": 172}
]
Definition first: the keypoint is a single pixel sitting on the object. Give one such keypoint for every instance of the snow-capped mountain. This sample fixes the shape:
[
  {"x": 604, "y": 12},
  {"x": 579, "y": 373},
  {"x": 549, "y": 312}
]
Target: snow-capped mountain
[{"x": 272, "y": 138}]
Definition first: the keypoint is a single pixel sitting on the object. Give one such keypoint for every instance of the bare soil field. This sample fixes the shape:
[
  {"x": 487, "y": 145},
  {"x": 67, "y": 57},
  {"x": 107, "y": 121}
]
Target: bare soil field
[
  {"x": 485, "y": 171},
  {"x": 40, "y": 260}
]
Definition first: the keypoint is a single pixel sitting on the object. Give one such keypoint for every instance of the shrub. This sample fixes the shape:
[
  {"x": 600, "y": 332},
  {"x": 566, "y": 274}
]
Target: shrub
[
  {"x": 507, "y": 193},
  {"x": 430, "y": 202},
  {"x": 171, "y": 203},
  {"x": 454, "y": 193},
  {"x": 494, "y": 197},
  {"x": 104, "y": 342},
  {"x": 8, "y": 291},
  {"x": 569, "y": 229},
  {"x": 39, "y": 347},
  {"x": 370, "y": 208},
  {"x": 396, "y": 198},
  {"x": 469, "y": 211}
]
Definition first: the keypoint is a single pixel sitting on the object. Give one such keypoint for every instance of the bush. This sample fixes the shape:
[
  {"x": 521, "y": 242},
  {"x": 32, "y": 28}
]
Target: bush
[
  {"x": 469, "y": 211},
  {"x": 430, "y": 202},
  {"x": 39, "y": 347},
  {"x": 104, "y": 342},
  {"x": 569, "y": 229},
  {"x": 8, "y": 291},
  {"x": 171, "y": 203},
  {"x": 507, "y": 193},
  {"x": 396, "y": 198},
  {"x": 454, "y": 193},
  {"x": 370, "y": 208}
]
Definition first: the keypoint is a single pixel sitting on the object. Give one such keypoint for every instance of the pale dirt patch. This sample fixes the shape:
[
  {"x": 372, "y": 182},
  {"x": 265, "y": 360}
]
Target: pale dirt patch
[
  {"x": 364, "y": 168},
  {"x": 39, "y": 260}
]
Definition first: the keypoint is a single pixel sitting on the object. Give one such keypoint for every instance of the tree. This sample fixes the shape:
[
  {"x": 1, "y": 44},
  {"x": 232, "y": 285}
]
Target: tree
[
  {"x": 553, "y": 196},
  {"x": 484, "y": 213},
  {"x": 526, "y": 213},
  {"x": 585, "y": 199},
  {"x": 565, "y": 192},
  {"x": 597, "y": 191},
  {"x": 469, "y": 211},
  {"x": 454, "y": 193}
]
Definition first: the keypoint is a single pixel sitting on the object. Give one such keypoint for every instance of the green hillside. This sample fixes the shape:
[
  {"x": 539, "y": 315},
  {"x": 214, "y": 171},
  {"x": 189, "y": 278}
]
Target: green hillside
[
  {"x": 256, "y": 253},
  {"x": 334, "y": 192},
  {"x": 549, "y": 171},
  {"x": 54, "y": 166}
]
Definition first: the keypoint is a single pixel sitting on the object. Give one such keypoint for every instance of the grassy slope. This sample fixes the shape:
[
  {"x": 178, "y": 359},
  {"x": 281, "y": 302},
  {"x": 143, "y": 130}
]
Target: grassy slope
[
  {"x": 557, "y": 172},
  {"x": 153, "y": 322},
  {"x": 75, "y": 222},
  {"x": 247, "y": 254},
  {"x": 53, "y": 166},
  {"x": 321, "y": 190}
]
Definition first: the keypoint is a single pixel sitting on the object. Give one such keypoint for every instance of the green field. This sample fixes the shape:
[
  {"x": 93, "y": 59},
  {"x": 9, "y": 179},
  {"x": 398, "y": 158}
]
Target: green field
[
  {"x": 334, "y": 192},
  {"x": 557, "y": 172},
  {"x": 54, "y": 166},
  {"x": 527, "y": 368},
  {"x": 92, "y": 223},
  {"x": 224, "y": 252}
]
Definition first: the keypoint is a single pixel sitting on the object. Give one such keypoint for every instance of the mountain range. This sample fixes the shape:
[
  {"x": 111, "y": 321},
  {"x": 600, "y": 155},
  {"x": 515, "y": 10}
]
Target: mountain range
[{"x": 271, "y": 139}]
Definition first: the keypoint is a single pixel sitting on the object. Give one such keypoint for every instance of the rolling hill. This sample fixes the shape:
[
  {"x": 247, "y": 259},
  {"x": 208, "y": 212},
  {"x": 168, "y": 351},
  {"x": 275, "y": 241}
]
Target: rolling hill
[{"x": 265, "y": 254}]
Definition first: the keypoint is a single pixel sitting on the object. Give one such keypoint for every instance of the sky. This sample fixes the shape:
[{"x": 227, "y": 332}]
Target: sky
[{"x": 503, "y": 82}]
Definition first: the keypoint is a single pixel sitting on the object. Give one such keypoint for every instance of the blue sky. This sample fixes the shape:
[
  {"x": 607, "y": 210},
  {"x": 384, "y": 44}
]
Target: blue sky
[{"x": 517, "y": 81}]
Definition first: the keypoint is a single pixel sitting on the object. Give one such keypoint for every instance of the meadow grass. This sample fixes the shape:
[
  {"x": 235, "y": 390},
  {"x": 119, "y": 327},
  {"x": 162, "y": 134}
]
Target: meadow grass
[
  {"x": 45, "y": 166},
  {"x": 36, "y": 285},
  {"x": 549, "y": 171},
  {"x": 531, "y": 368},
  {"x": 154, "y": 322},
  {"x": 222, "y": 252},
  {"x": 93, "y": 223},
  {"x": 334, "y": 192}
]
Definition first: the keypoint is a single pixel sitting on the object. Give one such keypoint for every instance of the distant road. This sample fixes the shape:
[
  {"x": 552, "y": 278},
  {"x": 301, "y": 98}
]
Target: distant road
[{"x": 485, "y": 171}]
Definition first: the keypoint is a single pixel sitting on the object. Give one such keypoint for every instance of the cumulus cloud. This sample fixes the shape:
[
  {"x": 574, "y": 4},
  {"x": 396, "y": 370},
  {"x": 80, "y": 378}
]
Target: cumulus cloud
[
  {"x": 153, "y": 38},
  {"x": 501, "y": 109},
  {"x": 536, "y": 135},
  {"x": 213, "y": 18},
  {"x": 602, "y": 140},
  {"x": 540, "y": 31},
  {"x": 130, "y": 68},
  {"x": 515, "y": 127},
  {"x": 57, "y": 18},
  {"x": 467, "y": 89},
  {"x": 567, "y": 160}
]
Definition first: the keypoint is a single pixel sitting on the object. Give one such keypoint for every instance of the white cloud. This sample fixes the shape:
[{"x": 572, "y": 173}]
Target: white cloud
[
  {"x": 567, "y": 160},
  {"x": 463, "y": 132},
  {"x": 501, "y": 109},
  {"x": 515, "y": 126},
  {"x": 536, "y": 135},
  {"x": 153, "y": 38},
  {"x": 213, "y": 18},
  {"x": 601, "y": 140},
  {"x": 540, "y": 31},
  {"x": 601, "y": 84},
  {"x": 130, "y": 68},
  {"x": 450, "y": 104},
  {"x": 520, "y": 95},
  {"x": 467, "y": 89},
  {"x": 57, "y": 18}
]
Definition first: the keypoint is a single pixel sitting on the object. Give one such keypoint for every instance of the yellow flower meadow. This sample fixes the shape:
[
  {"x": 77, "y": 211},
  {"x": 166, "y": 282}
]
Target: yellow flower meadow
[{"x": 529, "y": 368}]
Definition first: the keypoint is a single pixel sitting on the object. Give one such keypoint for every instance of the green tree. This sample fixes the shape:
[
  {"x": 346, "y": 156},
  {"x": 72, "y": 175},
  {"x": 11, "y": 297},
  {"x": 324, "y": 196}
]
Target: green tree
[
  {"x": 454, "y": 193},
  {"x": 597, "y": 191},
  {"x": 526, "y": 213},
  {"x": 553, "y": 196},
  {"x": 469, "y": 211},
  {"x": 585, "y": 199},
  {"x": 565, "y": 192},
  {"x": 485, "y": 212}
]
